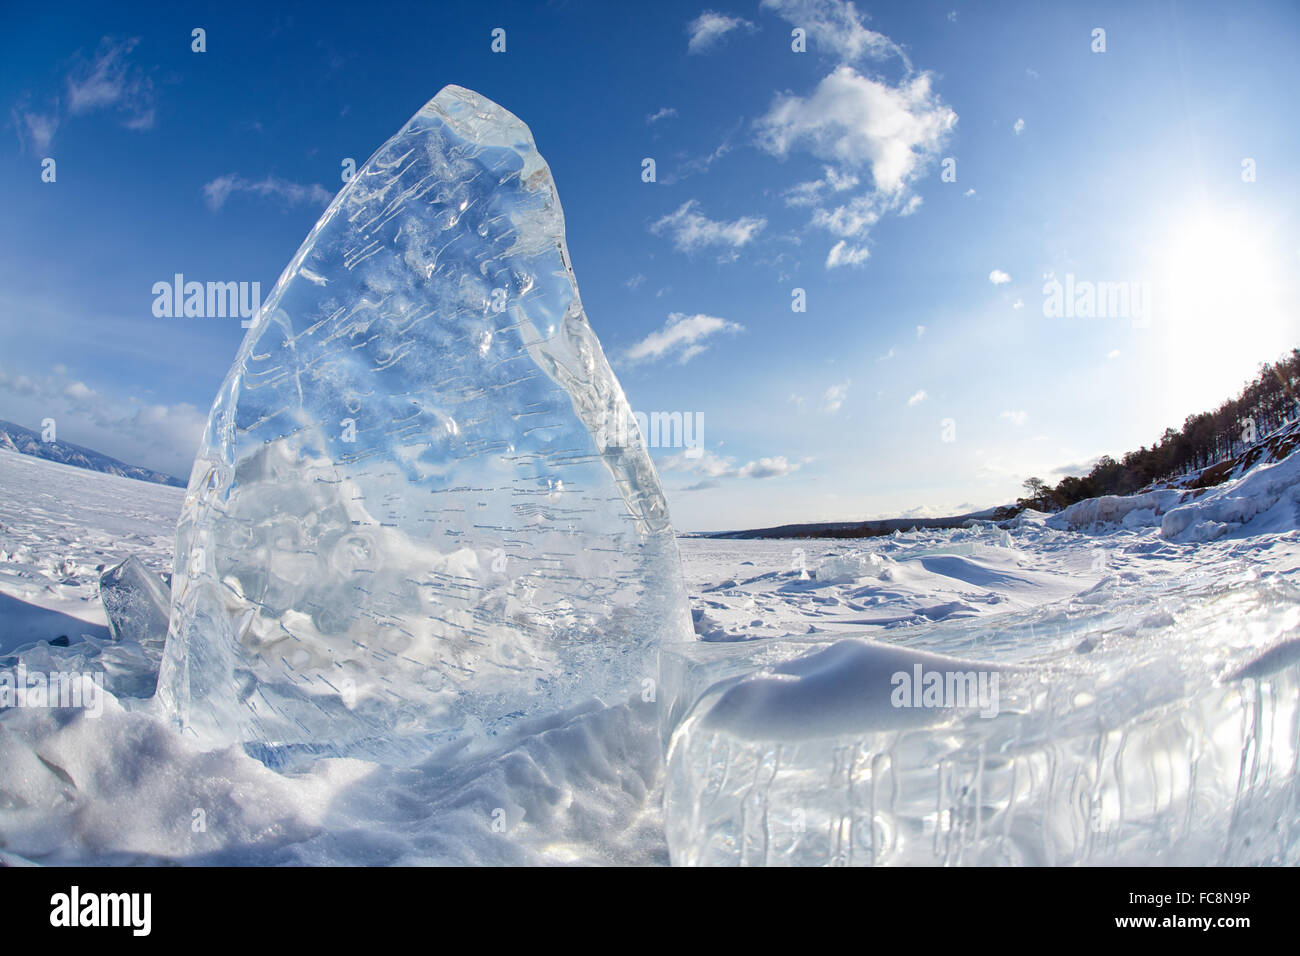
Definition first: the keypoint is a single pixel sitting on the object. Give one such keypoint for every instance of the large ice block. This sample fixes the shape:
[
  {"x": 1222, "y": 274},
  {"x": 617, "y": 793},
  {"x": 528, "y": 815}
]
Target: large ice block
[
  {"x": 1156, "y": 730},
  {"x": 409, "y": 524}
]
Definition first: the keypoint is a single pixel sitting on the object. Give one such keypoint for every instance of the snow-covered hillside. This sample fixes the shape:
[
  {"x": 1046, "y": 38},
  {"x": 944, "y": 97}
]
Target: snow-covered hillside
[
  {"x": 17, "y": 438},
  {"x": 586, "y": 786}
]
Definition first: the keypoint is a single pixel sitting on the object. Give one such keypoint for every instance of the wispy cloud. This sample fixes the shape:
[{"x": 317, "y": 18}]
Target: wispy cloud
[
  {"x": 917, "y": 398},
  {"x": 810, "y": 193},
  {"x": 692, "y": 230},
  {"x": 35, "y": 129},
  {"x": 1079, "y": 468},
  {"x": 695, "y": 165},
  {"x": 110, "y": 81},
  {"x": 843, "y": 254},
  {"x": 106, "y": 81},
  {"x": 833, "y": 399},
  {"x": 714, "y": 466},
  {"x": 1019, "y": 127},
  {"x": 1017, "y": 418},
  {"x": 707, "y": 30},
  {"x": 836, "y": 27},
  {"x": 666, "y": 112},
  {"x": 998, "y": 277},
  {"x": 271, "y": 187},
  {"x": 683, "y": 337}
]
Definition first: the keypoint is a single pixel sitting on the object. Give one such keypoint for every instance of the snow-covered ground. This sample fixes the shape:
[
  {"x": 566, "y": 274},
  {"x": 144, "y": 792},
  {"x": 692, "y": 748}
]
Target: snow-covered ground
[{"x": 584, "y": 786}]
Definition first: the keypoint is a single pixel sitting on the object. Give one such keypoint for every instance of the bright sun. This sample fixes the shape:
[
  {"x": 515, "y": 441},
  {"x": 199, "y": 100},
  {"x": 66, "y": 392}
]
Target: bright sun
[{"x": 1219, "y": 307}]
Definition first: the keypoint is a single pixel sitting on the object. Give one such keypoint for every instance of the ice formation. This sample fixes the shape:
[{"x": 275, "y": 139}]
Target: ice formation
[
  {"x": 136, "y": 603},
  {"x": 407, "y": 525},
  {"x": 1159, "y": 729}
]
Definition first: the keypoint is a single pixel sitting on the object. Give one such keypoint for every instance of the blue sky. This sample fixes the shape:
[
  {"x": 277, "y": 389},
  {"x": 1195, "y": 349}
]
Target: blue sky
[{"x": 925, "y": 374}]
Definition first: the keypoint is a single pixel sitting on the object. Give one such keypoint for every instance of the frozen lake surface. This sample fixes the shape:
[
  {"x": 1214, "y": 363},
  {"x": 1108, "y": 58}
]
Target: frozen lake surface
[{"x": 1148, "y": 710}]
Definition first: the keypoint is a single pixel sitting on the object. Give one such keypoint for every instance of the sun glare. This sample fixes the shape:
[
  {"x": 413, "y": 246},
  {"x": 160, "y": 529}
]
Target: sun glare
[{"x": 1219, "y": 307}]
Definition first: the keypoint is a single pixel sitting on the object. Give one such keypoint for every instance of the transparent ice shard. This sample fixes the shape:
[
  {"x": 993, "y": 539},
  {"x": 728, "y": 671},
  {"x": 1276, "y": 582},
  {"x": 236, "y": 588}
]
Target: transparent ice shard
[
  {"x": 407, "y": 524},
  {"x": 1163, "y": 729},
  {"x": 137, "y": 604}
]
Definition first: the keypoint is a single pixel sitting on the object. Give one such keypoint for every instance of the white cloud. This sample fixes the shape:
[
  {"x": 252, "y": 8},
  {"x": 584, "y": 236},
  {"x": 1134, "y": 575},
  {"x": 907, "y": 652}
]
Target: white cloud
[
  {"x": 834, "y": 397},
  {"x": 682, "y": 335},
  {"x": 920, "y": 331},
  {"x": 918, "y": 398},
  {"x": 223, "y": 187},
  {"x": 1113, "y": 354},
  {"x": 705, "y": 462},
  {"x": 1019, "y": 127},
  {"x": 842, "y": 254},
  {"x": 708, "y": 29},
  {"x": 635, "y": 282},
  {"x": 692, "y": 230},
  {"x": 715, "y": 466},
  {"x": 858, "y": 125},
  {"x": 1018, "y": 304},
  {"x": 767, "y": 468},
  {"x": 970, "y": 192},
  {"x": 858, "y": 122},
  {"x": 1017, "y": 418},
  {"x": 666, "y": 112},
  {"x": 998, "y": 277},
  {"x": 80, "y": 392},
  {"x": 853, "y": 218}
]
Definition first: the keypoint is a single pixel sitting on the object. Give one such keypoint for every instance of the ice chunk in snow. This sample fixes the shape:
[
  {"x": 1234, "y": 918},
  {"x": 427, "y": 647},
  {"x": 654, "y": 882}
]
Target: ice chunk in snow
[
  {"x": 136, "y": 603},
  {"x": 847, "y": 568},
  {"x": 1173, "y": 741},
  {"x": 410, "y": 519}
]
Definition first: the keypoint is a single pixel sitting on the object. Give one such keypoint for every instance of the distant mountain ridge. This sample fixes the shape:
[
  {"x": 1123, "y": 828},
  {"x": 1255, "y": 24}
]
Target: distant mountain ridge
[
  {"x": 27, "y": 442},
  {"x": 859, "y": 529}
]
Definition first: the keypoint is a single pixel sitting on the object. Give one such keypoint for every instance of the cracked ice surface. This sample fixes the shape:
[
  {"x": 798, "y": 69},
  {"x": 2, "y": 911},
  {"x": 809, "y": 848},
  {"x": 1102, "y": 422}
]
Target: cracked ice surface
[{"x": 405, "y": 527}]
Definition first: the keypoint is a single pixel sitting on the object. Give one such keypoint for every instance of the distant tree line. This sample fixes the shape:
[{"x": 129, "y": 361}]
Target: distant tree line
[{"x": 1204, "y": 440}]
